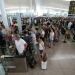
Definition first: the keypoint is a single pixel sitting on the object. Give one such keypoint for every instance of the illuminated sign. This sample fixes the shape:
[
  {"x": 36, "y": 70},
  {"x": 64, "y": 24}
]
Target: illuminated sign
[
  {"x": 71, "y": 12},
  {"x": 72, "y": 7},
  {"x": 72, "y": 2}
]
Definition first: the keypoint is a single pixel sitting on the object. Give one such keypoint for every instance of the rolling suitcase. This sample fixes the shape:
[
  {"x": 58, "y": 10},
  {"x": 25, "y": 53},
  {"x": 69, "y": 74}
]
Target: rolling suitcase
[{"x": 44, "y": 65}]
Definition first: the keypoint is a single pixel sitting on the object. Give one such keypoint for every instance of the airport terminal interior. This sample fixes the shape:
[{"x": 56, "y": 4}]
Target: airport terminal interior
[{"x": 37, "y": 37}]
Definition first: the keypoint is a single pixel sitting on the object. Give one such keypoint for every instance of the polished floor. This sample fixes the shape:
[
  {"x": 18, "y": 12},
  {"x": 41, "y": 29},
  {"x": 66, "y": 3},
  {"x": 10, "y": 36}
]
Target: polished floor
[{"x": 61, "y": 61}]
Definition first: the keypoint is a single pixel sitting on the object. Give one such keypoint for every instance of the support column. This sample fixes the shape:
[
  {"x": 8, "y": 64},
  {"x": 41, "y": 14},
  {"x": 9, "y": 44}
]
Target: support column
[
  {"x": 38, "y": 7},
  {"x": 3, "y": 13},
  {"x": 31, "y": 7},
  {"x": 18, "y": 15}
]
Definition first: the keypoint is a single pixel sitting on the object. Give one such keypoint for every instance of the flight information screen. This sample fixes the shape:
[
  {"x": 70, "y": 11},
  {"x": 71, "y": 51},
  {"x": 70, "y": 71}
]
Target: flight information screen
[
  {"x": 71, "y": 12},
  {"x": 72, "y": 2},
  {"x": 72, "y": 7}
]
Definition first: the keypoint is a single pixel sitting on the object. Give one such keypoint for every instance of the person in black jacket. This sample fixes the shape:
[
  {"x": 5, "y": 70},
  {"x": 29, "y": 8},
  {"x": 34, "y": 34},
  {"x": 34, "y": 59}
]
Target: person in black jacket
[
  {"x": 2, "y": 42},
  {"x": 73, "y": 25},
  {"x": 28, "y": 39}
]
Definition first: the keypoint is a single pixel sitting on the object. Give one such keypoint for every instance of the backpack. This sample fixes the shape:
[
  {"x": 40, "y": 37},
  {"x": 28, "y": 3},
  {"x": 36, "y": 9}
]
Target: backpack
[{"x": 30, "y": 59}]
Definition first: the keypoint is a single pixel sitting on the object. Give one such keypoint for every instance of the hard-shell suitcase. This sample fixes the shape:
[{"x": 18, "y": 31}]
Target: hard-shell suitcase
[{"x": 43, "y": 65}]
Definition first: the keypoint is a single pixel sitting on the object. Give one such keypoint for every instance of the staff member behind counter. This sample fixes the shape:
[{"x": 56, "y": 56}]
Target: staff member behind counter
[{"x": 20, "y": 44}]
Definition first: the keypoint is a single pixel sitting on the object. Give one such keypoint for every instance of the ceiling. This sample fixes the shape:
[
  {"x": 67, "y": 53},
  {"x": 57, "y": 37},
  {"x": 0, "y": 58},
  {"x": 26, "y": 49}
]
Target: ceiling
[
  {"x": 18, "y": 3},
  {"x": 45, "y": 3}
]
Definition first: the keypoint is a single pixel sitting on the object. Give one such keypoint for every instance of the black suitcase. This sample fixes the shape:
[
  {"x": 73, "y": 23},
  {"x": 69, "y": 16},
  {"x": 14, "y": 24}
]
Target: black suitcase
[{"x": 30, "y": 59}]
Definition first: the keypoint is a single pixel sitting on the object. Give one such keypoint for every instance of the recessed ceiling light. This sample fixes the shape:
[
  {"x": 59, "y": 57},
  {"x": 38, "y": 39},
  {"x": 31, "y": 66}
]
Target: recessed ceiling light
[{"x": 67, "y": 0}]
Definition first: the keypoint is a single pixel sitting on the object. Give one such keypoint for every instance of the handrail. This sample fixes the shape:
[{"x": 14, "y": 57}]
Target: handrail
[
  {"x": 12, "y": 56},
  {"x": 6, "y": 47},
  {"x": 6, "y": 56}
]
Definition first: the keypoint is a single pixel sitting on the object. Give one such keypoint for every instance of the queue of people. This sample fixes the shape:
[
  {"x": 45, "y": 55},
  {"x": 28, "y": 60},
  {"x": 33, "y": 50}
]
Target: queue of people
[{"x": 48, "y": 35}]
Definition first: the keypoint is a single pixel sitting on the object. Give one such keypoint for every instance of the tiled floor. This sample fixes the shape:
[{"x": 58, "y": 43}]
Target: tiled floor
[{"x": 61, "y": 61}]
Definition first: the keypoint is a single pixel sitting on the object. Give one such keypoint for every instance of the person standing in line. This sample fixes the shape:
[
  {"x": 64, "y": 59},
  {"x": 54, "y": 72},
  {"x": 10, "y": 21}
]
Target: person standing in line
[
  {"x": 35, "y": 22},
  {"x": 28, "y": 39},
  {"x": 12, "y": 29},
  {"x": 42, "y": 34},
  {"x": 44, "y": 61},
  {"x": 33, "y": 40},
  {"x": 51, "y": 38},
  {"x": 4, "y": 31},
  {"x": 2, "y": 41},
  {"x": 0, "y": 25},
  {"x": 41, "y": 48},
  {"x": 20, "y": 44},
  {"x": 69, "y": 25}
]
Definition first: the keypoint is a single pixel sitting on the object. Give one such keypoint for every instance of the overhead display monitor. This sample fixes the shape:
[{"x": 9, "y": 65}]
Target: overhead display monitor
[
  {"x": 71, "y": 12},
  {"x": 72, "y": 2},
  {"x": 72, "y": 8}
]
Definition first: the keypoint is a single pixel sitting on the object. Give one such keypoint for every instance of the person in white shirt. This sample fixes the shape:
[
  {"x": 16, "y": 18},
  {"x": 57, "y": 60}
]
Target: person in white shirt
[
  {"x": 51, "y": 38},
  {"x": 35, "y": 21},
  {"x": 20, "y": 44},
  {"x": 41, "y": 48},
  {"x": 42, "y": 34},
  {"x": 69, "y": 25}
]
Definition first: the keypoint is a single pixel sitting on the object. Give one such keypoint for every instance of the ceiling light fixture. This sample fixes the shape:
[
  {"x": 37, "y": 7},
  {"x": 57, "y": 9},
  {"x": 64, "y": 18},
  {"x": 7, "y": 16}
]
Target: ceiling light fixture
[
  {"x": 66, "y": 0},
  {"x": 16, "y": 7},
  {"x": 54, "y": 8}
]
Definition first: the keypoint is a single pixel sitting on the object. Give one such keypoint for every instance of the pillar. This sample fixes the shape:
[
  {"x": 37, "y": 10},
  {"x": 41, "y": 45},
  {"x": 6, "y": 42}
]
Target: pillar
[
  {"x": 30, "y": 13},
  {"x": 3, "y": 13},
  {"x": 38, "y": 7}
]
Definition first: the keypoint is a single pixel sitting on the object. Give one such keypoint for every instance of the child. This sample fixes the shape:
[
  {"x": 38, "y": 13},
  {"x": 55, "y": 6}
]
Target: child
[
  {"x": 41, "y": 47},
  {"x": 44, "y": 61}
]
